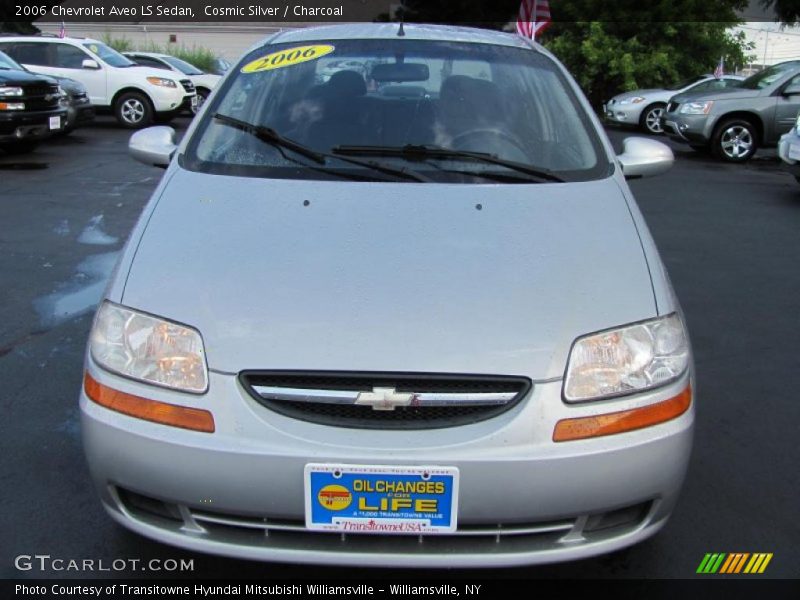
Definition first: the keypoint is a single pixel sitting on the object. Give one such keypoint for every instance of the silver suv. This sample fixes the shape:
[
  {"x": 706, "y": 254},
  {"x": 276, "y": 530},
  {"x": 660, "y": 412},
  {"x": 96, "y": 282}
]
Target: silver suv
[{"x": 735, "y": 122}]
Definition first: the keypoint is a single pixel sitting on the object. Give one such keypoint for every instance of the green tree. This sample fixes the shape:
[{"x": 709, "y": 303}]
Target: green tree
[
  {"x": 609, "y": 57},
  {"x": 787, "y": 11},
  {"x": 621, "y": 45}
]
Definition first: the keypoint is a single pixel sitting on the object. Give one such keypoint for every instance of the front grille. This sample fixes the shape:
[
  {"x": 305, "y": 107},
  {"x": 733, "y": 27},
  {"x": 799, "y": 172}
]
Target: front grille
[
  {"x": 385, "y": 400},
  {"x": 41, "y": 97},
  {"x": 187, "y": 85}
]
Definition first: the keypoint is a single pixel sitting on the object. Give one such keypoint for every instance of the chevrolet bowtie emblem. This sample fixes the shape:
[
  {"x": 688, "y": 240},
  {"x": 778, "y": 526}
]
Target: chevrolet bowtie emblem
[{"x": 381, "y": 398}]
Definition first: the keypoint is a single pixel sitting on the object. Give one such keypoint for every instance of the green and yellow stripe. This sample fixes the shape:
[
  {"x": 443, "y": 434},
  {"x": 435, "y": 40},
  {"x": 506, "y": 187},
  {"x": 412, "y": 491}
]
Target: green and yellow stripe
[{"x": 734, "y": 562}]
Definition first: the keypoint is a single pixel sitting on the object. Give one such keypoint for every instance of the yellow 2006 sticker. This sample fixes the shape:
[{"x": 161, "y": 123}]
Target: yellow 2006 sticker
[{"x": 287, "y": 58}]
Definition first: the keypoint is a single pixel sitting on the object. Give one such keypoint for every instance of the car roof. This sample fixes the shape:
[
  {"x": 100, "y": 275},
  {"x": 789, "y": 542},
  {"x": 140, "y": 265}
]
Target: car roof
[
  {"x": 412, "y": 31},
  {"x": 49, "y": 38}
]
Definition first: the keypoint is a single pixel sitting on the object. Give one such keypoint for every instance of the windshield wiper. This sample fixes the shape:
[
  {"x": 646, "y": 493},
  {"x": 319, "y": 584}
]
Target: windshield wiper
[
  {"x": 423, "y": 152},
  {"x": 270, "y": 136}
]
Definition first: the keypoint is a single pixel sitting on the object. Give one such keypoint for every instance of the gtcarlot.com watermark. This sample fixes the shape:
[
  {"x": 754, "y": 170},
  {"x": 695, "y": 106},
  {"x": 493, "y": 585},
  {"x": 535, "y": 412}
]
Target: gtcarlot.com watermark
[{"x": 46, "y": 562}]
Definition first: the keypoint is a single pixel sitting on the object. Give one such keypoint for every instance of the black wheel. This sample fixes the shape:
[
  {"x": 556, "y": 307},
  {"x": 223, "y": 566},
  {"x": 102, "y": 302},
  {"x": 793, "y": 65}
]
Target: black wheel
[
  {"x": 25, "y": 147},
  {"x": 650, "y": 120},
  {"x": 133, "y": 110},
  {"x": 735, "y": 140}
]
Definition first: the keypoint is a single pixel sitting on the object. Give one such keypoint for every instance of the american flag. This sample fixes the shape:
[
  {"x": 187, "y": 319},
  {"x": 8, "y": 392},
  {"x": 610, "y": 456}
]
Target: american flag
[
  {"x": 534, "y": 17},
  {"x": 719, "y": 70},
  {"x": 62, "y": 32}
]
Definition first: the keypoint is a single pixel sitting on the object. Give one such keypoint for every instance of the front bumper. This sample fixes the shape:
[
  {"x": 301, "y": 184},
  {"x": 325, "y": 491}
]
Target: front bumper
[
  {"x": 167, "y": 100},
  {"x": 79, "y": 113},
  {"x": 21, "y": 126},
  {"x": 789, "y": 152},
  {"x": 623, "y": 114},
  {"x": 523, "y": 499},
  {"x": 690, "y": 129}
]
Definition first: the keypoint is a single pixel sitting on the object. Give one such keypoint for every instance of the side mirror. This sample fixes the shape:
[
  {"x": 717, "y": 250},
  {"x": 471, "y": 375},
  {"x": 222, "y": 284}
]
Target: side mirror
[
  {"x": 642, "y": 157},
  {"x": 153, "y": 146},
  {"x": 792, "y": 90},
  {"x": 90, "y": 63}
]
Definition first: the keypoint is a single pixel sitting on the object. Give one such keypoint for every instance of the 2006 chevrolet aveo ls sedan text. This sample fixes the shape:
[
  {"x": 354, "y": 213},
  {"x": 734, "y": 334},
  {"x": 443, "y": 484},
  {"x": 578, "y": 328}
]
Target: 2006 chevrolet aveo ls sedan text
[{"x": 391, "y": 304}]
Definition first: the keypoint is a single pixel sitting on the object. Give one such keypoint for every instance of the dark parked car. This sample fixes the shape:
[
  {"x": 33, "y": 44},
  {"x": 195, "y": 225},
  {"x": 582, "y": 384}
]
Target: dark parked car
[
  {"x": 76, "y": 100},
  {"x": 735, "y": 122},
  {"x": 30, "y": 107}
]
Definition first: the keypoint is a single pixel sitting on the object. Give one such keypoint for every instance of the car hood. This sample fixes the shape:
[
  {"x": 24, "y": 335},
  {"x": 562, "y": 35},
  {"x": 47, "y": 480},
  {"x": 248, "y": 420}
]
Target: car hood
[
  {"x": 70, "y": 85},
  {"x": 23, "y": 77},
  {"x": 634, "y": 93},
  {"x": 724, "y": 94},
  {"x": 494, "y": 279},
  {"x": 153, "y": 72}
]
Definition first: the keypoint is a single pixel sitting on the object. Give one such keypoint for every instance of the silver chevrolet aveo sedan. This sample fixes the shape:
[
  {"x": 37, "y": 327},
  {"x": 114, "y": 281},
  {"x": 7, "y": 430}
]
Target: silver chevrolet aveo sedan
[{"x": 392, "y": 303}]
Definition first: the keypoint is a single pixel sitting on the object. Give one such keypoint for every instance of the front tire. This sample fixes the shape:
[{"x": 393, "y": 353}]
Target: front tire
[
  {"x": 735, "y": 140},
  {"x": 202, "y": 95},
  {"x": 133, "y": 110},
  {"x": 650, "y": 121}
]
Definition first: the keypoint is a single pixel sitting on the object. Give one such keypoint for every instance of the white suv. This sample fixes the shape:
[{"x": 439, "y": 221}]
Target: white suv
[{"x": 136, "y": 95}]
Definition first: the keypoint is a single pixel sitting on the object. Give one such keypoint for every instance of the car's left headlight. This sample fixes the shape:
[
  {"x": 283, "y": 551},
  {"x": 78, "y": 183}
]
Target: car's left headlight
[
  {"x": 697, "y": 108},
  {"x": 12, "y": 90},
  {"x": 149, "y": 349},
  {"x": 162, "y": 82},
  {"x": 627, "y": 360},
  {"x": 633, "y": 100}
]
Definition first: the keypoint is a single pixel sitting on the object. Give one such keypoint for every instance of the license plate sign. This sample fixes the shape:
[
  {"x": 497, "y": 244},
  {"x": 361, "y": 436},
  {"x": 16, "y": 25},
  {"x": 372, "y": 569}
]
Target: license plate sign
[
  {"x": 794, "y": 151},
  {"x": 381, "y": 499},
  {"x": 55, "y": 123},
  {"x": 194, "y": 101}
]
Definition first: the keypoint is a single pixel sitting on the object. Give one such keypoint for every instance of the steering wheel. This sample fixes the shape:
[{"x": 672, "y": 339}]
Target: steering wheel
[{"x": 495, "y": 140}]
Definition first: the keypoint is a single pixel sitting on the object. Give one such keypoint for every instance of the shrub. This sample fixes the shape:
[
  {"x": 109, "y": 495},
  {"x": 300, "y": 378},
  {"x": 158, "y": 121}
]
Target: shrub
[{"x": 202, "y": 58}]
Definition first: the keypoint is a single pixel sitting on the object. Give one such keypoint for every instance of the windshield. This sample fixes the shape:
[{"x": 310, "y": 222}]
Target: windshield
[
  {"x": 685, "y": 83},
  {"x": 109, "y": 55},
  {"x": 768, "y": 76},
  {"x": 383, "y": 95},
  {"x": 182, "y": 65},
  {"x": 6, "y": 62}
]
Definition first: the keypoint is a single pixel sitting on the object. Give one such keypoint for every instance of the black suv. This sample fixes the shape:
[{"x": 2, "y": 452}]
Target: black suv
[{"x": 30, "y": 108}]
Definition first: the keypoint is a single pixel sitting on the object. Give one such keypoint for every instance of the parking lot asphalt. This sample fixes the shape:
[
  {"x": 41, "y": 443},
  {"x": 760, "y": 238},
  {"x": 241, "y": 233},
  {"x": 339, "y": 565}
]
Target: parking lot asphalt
[{"x": 729, "y": 235}]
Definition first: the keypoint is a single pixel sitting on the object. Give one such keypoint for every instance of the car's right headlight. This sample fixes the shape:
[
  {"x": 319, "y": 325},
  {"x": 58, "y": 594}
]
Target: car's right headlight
[
  {"x": 627, "y": 360},
  {"x": 697, "y": 108},
  {"x": 149, "y": 349}
]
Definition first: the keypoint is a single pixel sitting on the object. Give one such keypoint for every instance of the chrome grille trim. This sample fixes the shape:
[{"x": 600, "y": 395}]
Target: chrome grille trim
[
  {"x": 385, "y": 400},
  {"x": 351, "y": 396}
]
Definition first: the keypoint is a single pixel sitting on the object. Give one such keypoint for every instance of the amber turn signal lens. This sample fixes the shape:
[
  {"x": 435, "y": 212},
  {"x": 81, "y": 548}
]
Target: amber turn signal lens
[
  {"x": 150, "y": 410},
  {"x": 626, "y": 420}
]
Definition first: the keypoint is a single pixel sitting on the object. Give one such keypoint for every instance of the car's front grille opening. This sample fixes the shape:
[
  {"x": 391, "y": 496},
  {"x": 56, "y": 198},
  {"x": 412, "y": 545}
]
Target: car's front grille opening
[
  {"x": 41, "y": 97},
  {"x": 385, "y": 400},
  {"x": 139, "y": 504},
  {"x": 620, "y": 518}
]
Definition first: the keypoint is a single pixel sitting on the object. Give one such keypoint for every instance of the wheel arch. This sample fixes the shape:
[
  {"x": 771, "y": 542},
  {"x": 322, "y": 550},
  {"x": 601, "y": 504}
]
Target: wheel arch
[
  {"x": 744, "y": 115},
  {"x": 127, "y": 89}
]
